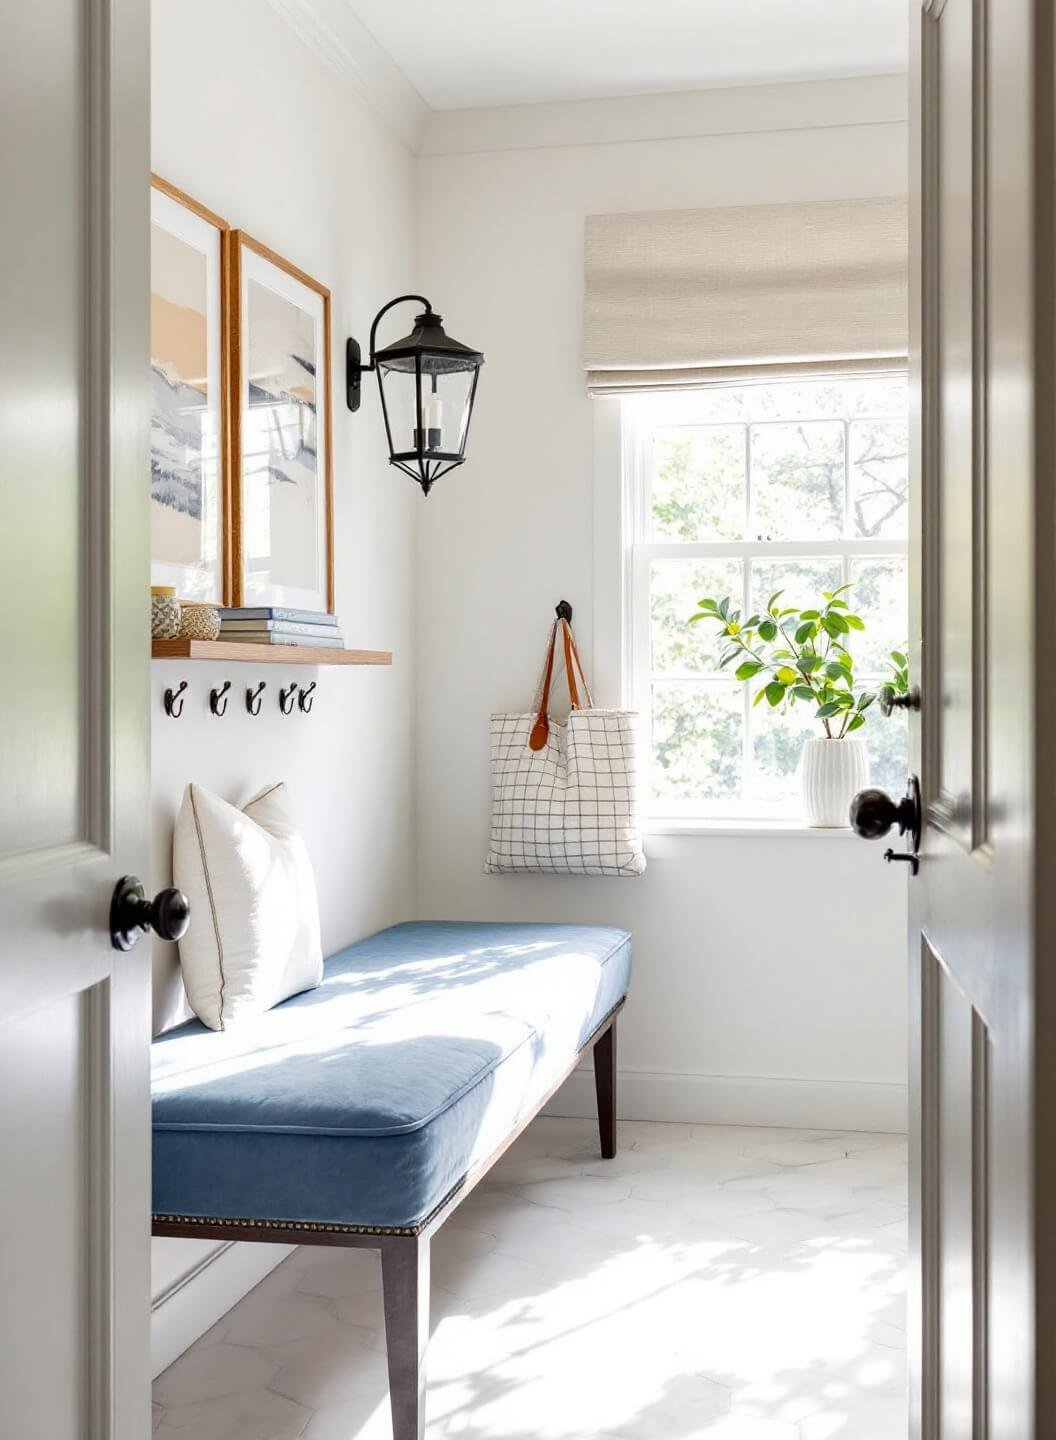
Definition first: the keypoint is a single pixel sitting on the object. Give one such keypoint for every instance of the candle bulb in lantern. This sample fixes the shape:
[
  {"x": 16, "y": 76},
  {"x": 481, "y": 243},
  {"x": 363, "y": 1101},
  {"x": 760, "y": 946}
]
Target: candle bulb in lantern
[{"x": 433, "y": 418}]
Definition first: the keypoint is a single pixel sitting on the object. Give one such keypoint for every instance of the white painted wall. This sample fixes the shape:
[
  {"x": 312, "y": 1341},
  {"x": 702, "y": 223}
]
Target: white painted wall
[
  {"x": 741, "y": 1009},
  {"x": 250, "y": 122}
]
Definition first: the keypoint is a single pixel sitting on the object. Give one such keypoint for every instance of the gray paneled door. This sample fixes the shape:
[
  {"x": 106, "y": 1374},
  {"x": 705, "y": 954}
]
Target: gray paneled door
[
  {"x": 981, "y": 934},
  {"x": 74, "y": 1014}
]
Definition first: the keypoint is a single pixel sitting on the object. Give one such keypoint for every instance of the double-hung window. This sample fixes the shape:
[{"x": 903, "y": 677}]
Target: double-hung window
[{"x": 743, "y": 489}]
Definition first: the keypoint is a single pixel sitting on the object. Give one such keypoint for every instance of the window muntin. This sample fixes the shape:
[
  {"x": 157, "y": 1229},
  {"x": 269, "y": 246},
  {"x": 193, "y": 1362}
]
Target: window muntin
[{"x": 743, "y": 490}]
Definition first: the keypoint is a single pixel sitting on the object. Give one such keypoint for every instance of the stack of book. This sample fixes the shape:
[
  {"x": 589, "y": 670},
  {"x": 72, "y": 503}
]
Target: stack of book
[{"x": 277, "y": 625}]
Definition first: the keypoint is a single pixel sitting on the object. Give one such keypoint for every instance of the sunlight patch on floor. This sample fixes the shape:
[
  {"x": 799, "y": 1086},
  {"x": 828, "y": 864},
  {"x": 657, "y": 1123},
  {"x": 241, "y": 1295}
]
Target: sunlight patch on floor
[{"x": 720, "y": 1282}]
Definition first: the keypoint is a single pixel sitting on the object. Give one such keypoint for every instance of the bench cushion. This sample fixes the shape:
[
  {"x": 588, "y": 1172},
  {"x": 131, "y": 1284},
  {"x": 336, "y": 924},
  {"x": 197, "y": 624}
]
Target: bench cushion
[{"x": 365, "y": 1101}]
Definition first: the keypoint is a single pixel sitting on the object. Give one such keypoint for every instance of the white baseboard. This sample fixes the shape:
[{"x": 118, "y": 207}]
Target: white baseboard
[
  {"x": 194, "y": 1303},
  {"x": 741, "y": 1100}
]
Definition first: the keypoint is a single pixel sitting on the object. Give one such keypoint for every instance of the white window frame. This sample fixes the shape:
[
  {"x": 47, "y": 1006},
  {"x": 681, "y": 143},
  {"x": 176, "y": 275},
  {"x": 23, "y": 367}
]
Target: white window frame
[{"x": 638, "y": 551}]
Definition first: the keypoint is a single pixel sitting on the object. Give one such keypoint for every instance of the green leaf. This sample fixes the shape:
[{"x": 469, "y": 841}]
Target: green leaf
[
  {"x": 809, "y": 663},
  {"x": 747, "y": 669},
  {"x": 803, "y": 692},
  {"x": 855, "y": 723},
  {"x": 899, "y": 659},
  {"x": 835, "y": 671},
  {"x": 768, "y": 631},
  {"x": 824, "y": 712},
  {"x": 855, "y": 622},
  {"x": 865, "y": 699},
  {"x": 810, "y": 614},
  {"x": 837, "y": 604},
  {"x": 835, "y": 625},
  {"x": 773, "y": 600},
  {"x": 724, "y": 660},
  {"x": 724, "y": 607},
  {"x": 775, "y": 692},
  {"x": 700, "y": 615},
  {"x": 806, "y": 632},
  {"x": 760, "y": 695},
  {"x": 786, "y": 675}
]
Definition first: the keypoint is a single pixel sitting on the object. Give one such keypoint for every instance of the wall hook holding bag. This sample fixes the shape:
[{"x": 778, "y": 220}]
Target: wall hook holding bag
[{"x": 564, "y": 790}]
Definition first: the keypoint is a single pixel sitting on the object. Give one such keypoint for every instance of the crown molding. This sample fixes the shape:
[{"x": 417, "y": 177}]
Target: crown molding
[
  {"x": 334, "y": 35},
  {"x": 792, "y": 105}
]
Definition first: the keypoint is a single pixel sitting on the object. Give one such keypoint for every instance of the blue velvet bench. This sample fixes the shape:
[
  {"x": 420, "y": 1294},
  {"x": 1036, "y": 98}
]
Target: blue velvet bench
[{"x": 363, "y": 1112}]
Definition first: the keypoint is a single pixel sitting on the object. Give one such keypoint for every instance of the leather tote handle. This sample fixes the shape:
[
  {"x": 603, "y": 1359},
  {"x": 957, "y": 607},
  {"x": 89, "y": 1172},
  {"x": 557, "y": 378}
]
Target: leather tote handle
[
  {"x": 541, "y": 729},
  {"x": 572, "y": 654}
]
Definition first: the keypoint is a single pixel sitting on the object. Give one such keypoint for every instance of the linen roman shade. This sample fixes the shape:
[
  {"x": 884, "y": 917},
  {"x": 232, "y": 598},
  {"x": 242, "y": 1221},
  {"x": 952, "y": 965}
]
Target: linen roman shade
[{"x": 692, "y": 297}]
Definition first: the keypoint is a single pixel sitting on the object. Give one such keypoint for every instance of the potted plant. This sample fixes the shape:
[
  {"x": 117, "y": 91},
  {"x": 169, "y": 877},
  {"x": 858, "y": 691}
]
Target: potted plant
[{"x": 802, "y": 657}]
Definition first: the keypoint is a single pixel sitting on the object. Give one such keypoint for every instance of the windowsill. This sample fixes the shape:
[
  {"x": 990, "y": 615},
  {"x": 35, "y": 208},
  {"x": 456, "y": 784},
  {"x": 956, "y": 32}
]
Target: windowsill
[{"x": 745, "y": 829}]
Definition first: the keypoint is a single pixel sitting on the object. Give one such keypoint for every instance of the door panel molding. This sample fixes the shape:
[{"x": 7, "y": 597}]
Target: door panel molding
[
  {"x": 100, "y": 1367},
  {"x": 980, "y": 702},
  {"x": 925, "y": 1308},
  {"x": 954, "y": 1110},
  {"x": 926, "y": 522},
  {"x": 963, "y": 816},
  {"x": 97, "y": 453},
  {"x": 54, "y": 857},
  {"x": 980, "y": 1227}
]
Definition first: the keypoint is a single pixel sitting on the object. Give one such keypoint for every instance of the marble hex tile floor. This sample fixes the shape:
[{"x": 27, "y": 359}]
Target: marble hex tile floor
[{"x": 712, "y": 1281}]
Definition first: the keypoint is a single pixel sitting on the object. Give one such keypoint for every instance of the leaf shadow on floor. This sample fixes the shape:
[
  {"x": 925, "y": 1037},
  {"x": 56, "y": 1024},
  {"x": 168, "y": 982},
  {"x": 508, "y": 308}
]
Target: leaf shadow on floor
[{"x": 634, "y": 1336}]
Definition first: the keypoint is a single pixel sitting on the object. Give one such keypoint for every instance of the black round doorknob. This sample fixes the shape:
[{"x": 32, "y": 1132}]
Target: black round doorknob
[
  {"x": 873, "y": 812},
  {"x": 889, "y": 701},
  {"x": 132, "y": 914}
]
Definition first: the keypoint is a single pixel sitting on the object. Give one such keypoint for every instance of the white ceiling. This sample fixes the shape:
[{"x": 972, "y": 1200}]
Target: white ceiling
[{"x": 462, "y": 54}]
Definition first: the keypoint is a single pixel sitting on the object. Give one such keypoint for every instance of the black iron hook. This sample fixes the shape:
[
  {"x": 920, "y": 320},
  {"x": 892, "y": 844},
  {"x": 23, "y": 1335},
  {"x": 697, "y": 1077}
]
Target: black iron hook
[
  {"x": 564, "y": 611},
  {"x": 172, "y": 697},
  {"x": 287, "y": 698},
  {"x": 306, "y": 699},
  {"x": 253, "y": 698},
  {"x": 217, "y": 702}
]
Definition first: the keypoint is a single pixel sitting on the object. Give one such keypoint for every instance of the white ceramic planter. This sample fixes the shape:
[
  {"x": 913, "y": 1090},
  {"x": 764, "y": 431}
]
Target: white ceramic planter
[{"x": 831, "y": 773}]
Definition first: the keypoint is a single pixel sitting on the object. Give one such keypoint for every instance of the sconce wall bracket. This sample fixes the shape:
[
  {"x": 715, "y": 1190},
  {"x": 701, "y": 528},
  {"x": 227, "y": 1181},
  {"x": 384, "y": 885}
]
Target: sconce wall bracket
[{"x": 353, "y": 374}]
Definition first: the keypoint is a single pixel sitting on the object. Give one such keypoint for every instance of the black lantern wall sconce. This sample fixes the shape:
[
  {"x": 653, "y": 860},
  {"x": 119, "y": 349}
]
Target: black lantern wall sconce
[{"x": 427, "y": 383}]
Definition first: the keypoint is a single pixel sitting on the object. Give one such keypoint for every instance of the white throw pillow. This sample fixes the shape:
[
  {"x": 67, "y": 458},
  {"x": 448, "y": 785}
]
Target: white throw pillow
[{"x": 254, "y": 933}]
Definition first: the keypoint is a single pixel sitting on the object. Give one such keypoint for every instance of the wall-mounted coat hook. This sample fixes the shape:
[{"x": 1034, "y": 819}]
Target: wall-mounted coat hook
[
  {"x": 287, "y": 699},
  {"x": 563, "y": 611},
  {"x": 253, "y": 698},
  {"x": 172, "y": 701},
  {"x": 217, "y": 701},
  {"x": 306, "y": 699}
]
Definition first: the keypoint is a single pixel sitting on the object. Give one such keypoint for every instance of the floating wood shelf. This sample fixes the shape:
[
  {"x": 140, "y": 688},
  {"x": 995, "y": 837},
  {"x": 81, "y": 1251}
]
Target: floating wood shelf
[{"x": 265, "y": 654}]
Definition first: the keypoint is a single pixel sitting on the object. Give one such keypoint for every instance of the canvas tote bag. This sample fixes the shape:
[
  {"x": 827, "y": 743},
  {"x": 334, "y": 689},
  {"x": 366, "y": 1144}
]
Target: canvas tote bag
[{"x": 564, "y": 796}]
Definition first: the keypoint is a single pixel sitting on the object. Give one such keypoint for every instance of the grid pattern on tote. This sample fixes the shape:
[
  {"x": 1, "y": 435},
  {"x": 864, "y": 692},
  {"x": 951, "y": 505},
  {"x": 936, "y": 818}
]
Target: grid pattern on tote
[{"x": 570, "y": 808}]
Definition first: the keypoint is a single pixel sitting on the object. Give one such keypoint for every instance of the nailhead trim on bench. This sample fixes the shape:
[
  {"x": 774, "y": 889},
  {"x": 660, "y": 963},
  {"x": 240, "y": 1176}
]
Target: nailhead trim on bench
[{"x": 290, "y": 1225}]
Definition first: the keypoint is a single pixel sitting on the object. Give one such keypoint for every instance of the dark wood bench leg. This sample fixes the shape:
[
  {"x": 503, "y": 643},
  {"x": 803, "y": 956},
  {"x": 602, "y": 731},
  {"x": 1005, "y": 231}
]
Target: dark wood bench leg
[
  {"x": 605, "y": 1084},
  {"x": 405, "y": 1281}
]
